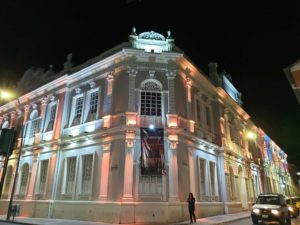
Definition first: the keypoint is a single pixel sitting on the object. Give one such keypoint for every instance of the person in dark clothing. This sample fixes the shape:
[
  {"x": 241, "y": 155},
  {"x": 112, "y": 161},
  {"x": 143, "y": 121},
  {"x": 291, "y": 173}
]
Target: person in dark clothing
[{"x": 191, "y": 202}]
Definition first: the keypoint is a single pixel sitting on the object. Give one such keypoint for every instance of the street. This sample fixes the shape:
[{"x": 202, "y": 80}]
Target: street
[{"x": 248, "y": 222}]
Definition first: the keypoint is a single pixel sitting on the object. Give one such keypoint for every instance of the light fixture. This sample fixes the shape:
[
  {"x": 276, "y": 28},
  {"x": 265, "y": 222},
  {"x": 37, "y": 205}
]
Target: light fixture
[{"x": 151, "y": 126}]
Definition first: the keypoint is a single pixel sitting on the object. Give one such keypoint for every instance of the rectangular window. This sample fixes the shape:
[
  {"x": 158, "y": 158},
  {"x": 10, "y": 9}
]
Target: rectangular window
[
  {"x": 151, "y": 104},
  {"x": 93, "y": 102},
  {"x": 24, "y": 178},
  {"x": 71, "y": 169},
  {"x": 52, "y": 117},
  {"x": 198, "y": 111},
  {"x": 202, "y": 176},
  {"x": 87, "y": 161},
  {"x": 212, "y": 178},
  {"x": 35, "y": 125},
  {"x": 207, "y": 116},
  {"x": 78, "y": 107},
  {"x": 43, "y": 176}
]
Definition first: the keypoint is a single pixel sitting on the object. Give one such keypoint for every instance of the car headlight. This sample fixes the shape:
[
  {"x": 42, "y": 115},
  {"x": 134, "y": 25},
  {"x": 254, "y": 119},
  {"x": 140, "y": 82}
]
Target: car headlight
[
  {"x": 275, "y": 211},
  {"x": 256, "y": 211},
  {"x": 291, "y": 209}
]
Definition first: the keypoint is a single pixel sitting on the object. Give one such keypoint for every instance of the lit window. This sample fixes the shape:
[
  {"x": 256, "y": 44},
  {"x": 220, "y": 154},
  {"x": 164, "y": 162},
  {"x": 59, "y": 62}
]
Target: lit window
[
  {"x": 35, "y": 124},
  {"x": 93, "y": 102},
  {"x": 24, "y": 179},
  {"x": 78, "y": 107},
  {"x": 7, "y": 180},
  {"x": 150, "y": 103},
  {"x": 87, "y": 161},
  {"x": 202, "y": 176},
  {"x": 71, "y": 166},
  {"x": 52, "y": 117},
  {"x": 43, "y": 176},
  {"x": 212, "y": 177}
]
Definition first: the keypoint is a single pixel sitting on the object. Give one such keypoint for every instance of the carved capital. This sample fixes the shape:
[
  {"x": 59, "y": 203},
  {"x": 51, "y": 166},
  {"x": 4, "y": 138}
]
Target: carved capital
[
  {"x": 106, "y": 147},
  {"x": 44, "y": 101},
  {"x": 132, "y": 71},
  {"x": 171, "y": 74},
  {"x": 33, "y": 106},
  {"x": 26, "y": 108},
  {"x": 130, "y": 138},
  {"x": 173, "y": 141},
  {"x": 188, "y": 81},
  {"x": 92, "y": 84},
  {"x": 110, "y": 76},
  {"x": 77, "y": 91}
]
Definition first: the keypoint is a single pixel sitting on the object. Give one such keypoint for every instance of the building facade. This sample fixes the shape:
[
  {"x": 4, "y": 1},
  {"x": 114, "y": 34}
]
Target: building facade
[
  {"x": 292, "y": 73},
  {"x": 124, "y": 137}
]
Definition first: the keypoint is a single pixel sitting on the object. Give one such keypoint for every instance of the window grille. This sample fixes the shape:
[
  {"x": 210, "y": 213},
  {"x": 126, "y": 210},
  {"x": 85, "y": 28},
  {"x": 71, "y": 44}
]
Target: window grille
[
  {"x": 71, "y": 169},
  {"x": 151, "y": 103},
  {"x": 87, "y": 161},
  {"x": 212, "y": 177},
  {"x": 93, "y": 102},
  {"x": 52, "y": 117},
  {"x": 202, "y": 176},
  {"x": 8, "y": 180},
  {"x": 43, "y": 175},
  {"x": 78, "y": 107},
  {"x": 24, "y": 179},
  {"x": 35, "y": 124}
]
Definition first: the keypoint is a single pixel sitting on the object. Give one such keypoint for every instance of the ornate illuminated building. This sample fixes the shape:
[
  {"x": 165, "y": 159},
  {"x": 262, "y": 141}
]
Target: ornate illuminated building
[
  {"x": 293, "y": 74},
  {"x": 126, "y": 136}
]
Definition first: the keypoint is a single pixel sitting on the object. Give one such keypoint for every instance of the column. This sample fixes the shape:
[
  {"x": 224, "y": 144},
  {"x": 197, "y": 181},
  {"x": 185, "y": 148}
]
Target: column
[
  {"x": 128, "y": 170},
  {"x": 13, "y": 122},
  {"x": 188, "y": 96},
  {"x": 173, "y": 168},
  {"x": 222, "y": 180},
  {"x": 33, "y": 175},
  {"x": 105, "y": 166},
  {"x": 192, "y": 171}
]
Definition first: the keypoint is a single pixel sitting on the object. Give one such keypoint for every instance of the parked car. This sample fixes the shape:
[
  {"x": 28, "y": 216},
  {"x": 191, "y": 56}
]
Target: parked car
[
  {"x": 270, "y": 208},
  {"x": 297, "y": 200},
  {"x": 291, "y": 203}
]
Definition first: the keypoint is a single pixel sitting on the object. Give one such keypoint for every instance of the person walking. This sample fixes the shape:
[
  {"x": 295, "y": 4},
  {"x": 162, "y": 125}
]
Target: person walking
[{"x": 191, "y": 202}]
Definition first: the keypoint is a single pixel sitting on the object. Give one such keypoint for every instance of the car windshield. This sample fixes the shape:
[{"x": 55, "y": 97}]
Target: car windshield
[{"x": 270, "y": 200}]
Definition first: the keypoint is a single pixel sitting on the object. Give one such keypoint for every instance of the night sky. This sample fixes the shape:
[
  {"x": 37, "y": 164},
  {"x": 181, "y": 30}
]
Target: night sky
[{"x": 252, "y": 41}]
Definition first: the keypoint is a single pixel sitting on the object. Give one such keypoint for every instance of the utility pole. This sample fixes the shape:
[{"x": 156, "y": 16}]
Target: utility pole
[{"x": 16, "y": 172}]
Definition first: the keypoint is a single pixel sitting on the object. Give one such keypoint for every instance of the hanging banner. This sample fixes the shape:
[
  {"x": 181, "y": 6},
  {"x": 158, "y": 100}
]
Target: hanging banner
[{"x": 152, "y": 152}]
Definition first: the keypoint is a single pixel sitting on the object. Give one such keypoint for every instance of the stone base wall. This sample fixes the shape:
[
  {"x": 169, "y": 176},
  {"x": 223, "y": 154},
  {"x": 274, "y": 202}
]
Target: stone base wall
[
  {"x": 115, "y": 212},
  {"x": 234, "y": 207}
]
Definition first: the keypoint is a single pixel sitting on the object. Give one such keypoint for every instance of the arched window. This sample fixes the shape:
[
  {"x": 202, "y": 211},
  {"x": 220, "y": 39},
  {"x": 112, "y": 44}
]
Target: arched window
[
  {"x": 8, "y": 180},
  {"x": 24, "y": 179},
  {"x": 151, "y": 98}
]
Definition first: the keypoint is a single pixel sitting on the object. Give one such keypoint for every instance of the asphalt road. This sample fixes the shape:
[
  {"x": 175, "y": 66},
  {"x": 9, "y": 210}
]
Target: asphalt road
[{"x": 248, "y": 221}]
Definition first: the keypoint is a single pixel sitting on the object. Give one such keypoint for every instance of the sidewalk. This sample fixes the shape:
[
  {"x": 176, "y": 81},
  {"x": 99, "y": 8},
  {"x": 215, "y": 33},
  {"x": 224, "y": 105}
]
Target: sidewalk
[{"x": 220, "y": 219}]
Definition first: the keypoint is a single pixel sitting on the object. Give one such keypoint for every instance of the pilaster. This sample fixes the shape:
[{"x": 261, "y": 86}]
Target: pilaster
[
  {"x": 105, "y": 166},
  {"x": 173, "y": 168}
]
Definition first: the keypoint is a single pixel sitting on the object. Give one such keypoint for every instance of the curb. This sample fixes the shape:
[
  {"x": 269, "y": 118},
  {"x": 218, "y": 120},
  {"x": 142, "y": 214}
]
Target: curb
[
  {"x": 230, "y": 220},
  {"x": 15, "y": 222}
]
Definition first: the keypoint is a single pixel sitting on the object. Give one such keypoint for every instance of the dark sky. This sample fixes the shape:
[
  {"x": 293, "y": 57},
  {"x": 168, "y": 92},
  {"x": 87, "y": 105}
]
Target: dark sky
[{"x": 253, "y": 41}]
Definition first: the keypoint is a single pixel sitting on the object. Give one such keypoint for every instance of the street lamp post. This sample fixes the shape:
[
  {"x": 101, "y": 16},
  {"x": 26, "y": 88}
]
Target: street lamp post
[{"x": 16, "y": 172}]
